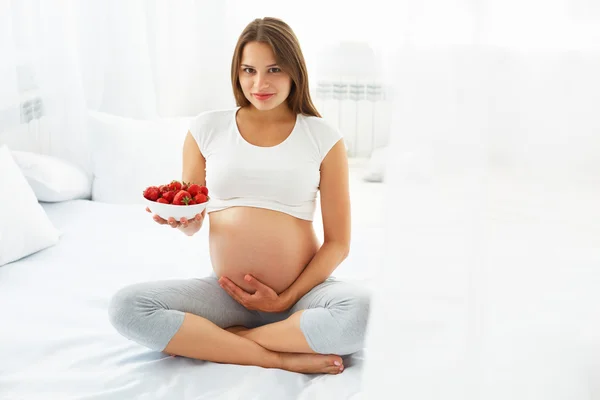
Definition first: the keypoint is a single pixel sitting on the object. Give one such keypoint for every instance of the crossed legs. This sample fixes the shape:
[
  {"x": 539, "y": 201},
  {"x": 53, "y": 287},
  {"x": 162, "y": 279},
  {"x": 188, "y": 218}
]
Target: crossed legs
[{"x": 195, "y": 318}]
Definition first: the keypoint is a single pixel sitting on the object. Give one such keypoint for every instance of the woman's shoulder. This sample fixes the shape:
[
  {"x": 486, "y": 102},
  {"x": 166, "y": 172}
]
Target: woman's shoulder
[
  {"x": 323, "y": 133},
  {"x": 320, "y": 127},
  {"x": 208, "y": 125},
  {"x": 214, "y": 117}
]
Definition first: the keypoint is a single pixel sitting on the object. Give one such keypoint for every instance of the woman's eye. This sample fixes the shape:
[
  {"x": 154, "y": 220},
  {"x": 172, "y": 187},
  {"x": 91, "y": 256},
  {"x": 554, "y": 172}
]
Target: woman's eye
[{"x": 249, "y": 70}]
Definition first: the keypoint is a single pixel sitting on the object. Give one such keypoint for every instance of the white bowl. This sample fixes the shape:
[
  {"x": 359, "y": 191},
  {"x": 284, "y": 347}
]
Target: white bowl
[{"x": 165, "y": 211}]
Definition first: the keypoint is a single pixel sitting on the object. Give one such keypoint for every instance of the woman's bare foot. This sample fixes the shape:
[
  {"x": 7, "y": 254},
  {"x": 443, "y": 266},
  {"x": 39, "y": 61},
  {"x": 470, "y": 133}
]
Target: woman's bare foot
[
  {"x": 311, "y": 363},
  {"x": 307, "y": 363}
]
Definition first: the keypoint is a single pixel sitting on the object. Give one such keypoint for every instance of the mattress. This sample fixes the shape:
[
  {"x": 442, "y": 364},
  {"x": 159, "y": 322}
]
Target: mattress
[{"x": 57, "y": 343}]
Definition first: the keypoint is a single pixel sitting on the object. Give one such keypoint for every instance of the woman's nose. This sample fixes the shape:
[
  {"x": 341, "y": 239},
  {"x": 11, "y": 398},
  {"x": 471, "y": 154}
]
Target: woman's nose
[{"x": 261, "y": 82}]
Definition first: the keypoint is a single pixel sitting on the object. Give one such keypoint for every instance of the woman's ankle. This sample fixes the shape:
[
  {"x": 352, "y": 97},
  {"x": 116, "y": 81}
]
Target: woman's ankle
[{"x": 272, "y": 359}]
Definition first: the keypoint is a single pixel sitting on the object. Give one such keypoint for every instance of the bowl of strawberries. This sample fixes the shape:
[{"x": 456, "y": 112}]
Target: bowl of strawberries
[{"x": 176, "y": 199}]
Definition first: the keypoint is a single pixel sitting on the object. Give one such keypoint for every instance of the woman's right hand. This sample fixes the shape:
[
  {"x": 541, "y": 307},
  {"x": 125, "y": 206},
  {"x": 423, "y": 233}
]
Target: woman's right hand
[{"x": 187, "y": 226}]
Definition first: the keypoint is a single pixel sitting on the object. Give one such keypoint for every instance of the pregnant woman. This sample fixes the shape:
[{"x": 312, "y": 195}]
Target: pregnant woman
[{"x": 271, "y": 301}]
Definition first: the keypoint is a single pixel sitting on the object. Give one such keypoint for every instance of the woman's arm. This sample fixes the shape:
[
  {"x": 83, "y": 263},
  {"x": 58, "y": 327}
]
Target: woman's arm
[
  {"x": 194, "y": 164},
  {"x": 193, "y": 171},
  {"x": 335, "y": 209}
]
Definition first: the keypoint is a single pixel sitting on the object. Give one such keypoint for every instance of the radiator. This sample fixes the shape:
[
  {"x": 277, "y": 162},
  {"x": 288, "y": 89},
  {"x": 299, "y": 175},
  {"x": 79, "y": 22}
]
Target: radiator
[{"x": 360, "y": 110}]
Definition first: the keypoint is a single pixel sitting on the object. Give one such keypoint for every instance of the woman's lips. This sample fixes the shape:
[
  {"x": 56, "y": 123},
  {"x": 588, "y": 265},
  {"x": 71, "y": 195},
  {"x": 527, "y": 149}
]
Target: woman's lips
[{"x": 264, "y": 96}]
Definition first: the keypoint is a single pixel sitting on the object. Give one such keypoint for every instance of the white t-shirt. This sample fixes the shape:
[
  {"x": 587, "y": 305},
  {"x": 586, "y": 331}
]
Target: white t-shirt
[{"x": 283, "y": 178}]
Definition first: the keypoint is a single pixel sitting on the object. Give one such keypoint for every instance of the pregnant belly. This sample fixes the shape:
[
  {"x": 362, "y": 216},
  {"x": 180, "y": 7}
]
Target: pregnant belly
[{"x": 273, "y": 247}]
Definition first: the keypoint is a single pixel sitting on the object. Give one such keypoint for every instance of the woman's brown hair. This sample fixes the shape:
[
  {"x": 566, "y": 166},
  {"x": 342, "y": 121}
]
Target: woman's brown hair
[{"x": 288, "y": 56}]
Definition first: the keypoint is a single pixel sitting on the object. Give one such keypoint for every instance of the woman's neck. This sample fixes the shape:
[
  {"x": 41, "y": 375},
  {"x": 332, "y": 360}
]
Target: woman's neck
[{"x": 278, "y": 114}]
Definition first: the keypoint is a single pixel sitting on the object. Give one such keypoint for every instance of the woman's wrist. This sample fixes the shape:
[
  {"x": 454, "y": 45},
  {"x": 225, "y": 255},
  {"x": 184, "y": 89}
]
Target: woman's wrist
[
  {"x": 286, "y": 299},
  {"x": 188, "y": 230}
]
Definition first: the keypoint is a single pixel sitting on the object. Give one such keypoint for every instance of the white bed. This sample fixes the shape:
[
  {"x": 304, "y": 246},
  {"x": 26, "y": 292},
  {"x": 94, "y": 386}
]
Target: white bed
[{"x": 57, "y": 343}]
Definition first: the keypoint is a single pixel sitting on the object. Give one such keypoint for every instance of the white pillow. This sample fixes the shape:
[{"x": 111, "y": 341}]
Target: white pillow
[
  {"x": 53, "y": 179},
  {"x": 24, "y": 226},
  {"x": 129, "y": 155},
  {"x": 375, "y": 171}
]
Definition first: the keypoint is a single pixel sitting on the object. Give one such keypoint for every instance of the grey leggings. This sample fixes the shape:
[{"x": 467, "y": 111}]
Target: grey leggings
[{"x": 150, "y": 313}]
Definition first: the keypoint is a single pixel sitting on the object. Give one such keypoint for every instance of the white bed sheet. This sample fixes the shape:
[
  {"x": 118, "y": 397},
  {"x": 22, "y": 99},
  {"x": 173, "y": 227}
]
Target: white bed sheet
[{"x": 57, "y": 343}]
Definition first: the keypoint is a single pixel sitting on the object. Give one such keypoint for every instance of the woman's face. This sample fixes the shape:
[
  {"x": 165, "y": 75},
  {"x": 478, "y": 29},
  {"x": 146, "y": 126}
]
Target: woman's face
[{"x": 263, "y": 82}]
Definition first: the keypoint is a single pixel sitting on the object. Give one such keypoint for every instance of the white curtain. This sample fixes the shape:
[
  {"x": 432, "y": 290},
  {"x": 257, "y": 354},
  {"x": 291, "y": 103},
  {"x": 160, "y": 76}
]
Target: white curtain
[
  {"x": 8, "y": 71},
  {"x": 489, "y": 282},
  {"x": 138, "y": 59}
]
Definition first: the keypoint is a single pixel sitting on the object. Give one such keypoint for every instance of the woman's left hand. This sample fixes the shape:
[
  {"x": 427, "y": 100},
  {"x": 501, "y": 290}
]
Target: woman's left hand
[{"x": 264, "y": 299}]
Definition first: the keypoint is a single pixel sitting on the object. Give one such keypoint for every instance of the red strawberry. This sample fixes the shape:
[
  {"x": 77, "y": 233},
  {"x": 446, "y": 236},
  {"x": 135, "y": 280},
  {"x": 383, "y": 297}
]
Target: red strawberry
[
  {"x": 152, "y": 193},
  {"x": 204, "y": 190},
  {"x": 182, "y": 198},
  {"x": 200, "y": 198},
  {"x": 163, "y": 188},
  {"x": 163, "y": 200},
  {"x": 168, "y": 196},
  {"x": 175, "y": 186},
  {"x": 192, "y": 202},
  {"x": 194, "y": 189}
]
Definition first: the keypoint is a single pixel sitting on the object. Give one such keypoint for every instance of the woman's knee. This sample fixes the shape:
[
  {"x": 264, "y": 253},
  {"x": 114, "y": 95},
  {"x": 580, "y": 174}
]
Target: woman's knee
[
  {"x": 138, "y": 311},
  {"x": 354, "y": 320},
  {"x": 141, "y": 313},
  {"x": 340, "y": 329},
  {"x": 125, "y": 306}
]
